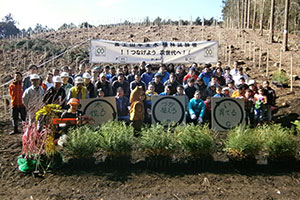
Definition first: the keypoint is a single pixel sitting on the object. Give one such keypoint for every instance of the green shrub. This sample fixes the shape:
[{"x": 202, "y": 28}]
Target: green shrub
[
  {"x": 82, "y": 142},
  {"x": 116, "y": 138},
  {"x": 280, "y": 143},
  {"x": 196, "y": 141},
  {"x": 243, "y": 143},
  {"x": 157, "y": 140},
  {"x": 280, "y": 77},
  {"x": 297, "y": 125}
]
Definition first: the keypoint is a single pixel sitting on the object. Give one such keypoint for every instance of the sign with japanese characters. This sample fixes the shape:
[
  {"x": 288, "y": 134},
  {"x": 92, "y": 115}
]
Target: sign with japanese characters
[
  {"x": 227, "y": 113},
  {"x": 168, "y": 109},
  {"x": 99, "y": 109},
  {"x": 105, "y": 51}
]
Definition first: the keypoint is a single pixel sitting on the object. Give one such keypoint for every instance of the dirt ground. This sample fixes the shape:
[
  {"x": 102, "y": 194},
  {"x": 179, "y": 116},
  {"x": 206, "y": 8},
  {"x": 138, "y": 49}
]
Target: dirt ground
[{"x": 221, "y": 181}]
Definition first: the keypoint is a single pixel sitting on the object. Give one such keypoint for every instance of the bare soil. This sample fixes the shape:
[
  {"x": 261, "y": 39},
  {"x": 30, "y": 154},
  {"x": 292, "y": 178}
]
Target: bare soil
[{"x": 220, "y": 181}]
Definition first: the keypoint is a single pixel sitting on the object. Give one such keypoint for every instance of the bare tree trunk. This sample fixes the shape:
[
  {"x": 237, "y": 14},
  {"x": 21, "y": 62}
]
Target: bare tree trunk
[
  {"x": 286, "y": 25},
  {"x": 245, "y": 13},
  {"x": 242, "y": 15},
  {"x": 262, "y": 17},
  {"x": 254, "y": 15},
  {"x": 248, "y": 14},
  {"x": 238, "y": 13},
  {"x": 271, "y": 34}
]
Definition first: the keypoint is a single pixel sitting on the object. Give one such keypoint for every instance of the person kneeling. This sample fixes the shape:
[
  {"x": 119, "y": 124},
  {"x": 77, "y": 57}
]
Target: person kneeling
[{"x": 196, "y": 108}]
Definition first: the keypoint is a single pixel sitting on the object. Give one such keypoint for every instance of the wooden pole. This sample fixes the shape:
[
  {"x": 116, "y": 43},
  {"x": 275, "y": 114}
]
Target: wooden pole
[
  {"x": 248, "y": 14},
  {"x": 219, "y": 37},
  {"x": 238, "y": 14},
  {"x": 254, "y": 64},
  {"x": 262, "y": 17},
  {"x": 292, "y": 73},
  {"x": 225, "y": 52},
  {"x": 254, "y": 15},
  {"x": 229, "y": 58},
  {"x": 280, "y": 59},
  {"x": 286, "y": 25},
  {"x": 271, "y": 32},
  {"x": 268, "y": 59},
  {"x": 250, "y": 50}
]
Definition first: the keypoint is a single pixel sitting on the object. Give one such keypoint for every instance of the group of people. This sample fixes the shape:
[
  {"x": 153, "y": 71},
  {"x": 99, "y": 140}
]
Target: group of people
[{"x": 198, "y": 84}]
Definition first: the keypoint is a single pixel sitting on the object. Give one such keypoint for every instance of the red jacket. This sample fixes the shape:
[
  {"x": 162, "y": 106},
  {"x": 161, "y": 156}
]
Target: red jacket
[{"x": 16, "y": 93}]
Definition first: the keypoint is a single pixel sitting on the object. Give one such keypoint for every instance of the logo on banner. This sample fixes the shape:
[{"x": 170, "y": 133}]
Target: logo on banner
[
  {"x": 100, "y": 51},
  {"x": 208, "y": 52}
]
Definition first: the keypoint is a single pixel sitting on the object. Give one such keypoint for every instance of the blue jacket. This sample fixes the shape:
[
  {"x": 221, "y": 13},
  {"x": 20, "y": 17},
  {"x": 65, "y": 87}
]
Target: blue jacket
[
  {"x": 206, "y": 77},
  {"x": 147, "y": 78},
  {"x": 197, "y": 107}
]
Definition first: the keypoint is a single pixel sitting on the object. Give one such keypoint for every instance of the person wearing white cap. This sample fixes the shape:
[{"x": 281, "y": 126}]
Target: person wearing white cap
[
  {"x": 79, "y": 91},
  {"x": 32, "y": 97},
  {"x": 89, "y": 85},
  {"x": 66, "y": 85},
  {"x": 56, "y": 94}
]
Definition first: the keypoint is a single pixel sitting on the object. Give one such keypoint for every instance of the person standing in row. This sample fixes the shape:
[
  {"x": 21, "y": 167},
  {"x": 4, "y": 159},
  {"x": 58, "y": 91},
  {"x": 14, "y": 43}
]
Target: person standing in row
[
  {"x": 27, "y": 82},
  {"x": 18, "y": 108},
  {"x": 32, "y": 97}
]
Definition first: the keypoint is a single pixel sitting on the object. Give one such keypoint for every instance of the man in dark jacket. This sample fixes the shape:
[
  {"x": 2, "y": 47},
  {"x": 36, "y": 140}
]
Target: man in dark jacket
[
  {"x": 159, "y": 87},
  {"x": 190, "y": 88},
  {"x": 104, "y": 85},
  {"x": 271, "y": 99},
  {"x": 56, "y": 94},
  {"x": 137, "y": 82},
  {"x": 122, "y": 105}
]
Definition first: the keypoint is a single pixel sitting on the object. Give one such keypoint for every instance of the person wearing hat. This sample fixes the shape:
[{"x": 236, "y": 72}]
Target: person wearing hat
[
  {"x": 206, "y": 75},
  {"x": 56, "y": 94},
  {"x": 89, "y": 85},
  {"x": 66, "y": 85},
  {"x": 158, "y": 85},
  {"x": 18, "y": 108},
  {"x": 26, "y": 82},
  {"x": 148, "y": 75},
  {"x": 78, "y": 91},
  {"x": 191, "y": 74},
  {"x": 105, "y": 85},
  {"x": 180, "y": 74},
  {"x": 67, "y": 72},
  {"x": 226, "y": 92},
  {"x": 32, "y": 97},
  {"x": 72, "y": 113},
  {"x": 95, "y": 75},
  {"x": 163, "y": 73}
]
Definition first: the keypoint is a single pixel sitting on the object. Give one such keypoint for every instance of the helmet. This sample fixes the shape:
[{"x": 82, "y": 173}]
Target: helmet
[
  {"x": 57, "y": 79},
  {"x": 78, "y": 80},
  {"x": 73, "y": 101},
  {"x": 64, "y": 74},
  {"x": 86, "y": 75},
  {"x": 34, "y": 77}
]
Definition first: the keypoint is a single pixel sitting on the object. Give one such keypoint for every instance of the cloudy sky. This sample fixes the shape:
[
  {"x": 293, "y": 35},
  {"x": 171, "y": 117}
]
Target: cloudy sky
[{"x": 54, "y": 13}]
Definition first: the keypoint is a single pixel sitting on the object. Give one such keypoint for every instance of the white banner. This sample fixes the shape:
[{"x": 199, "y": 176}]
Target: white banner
[{"x": 104, "y": 51}]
